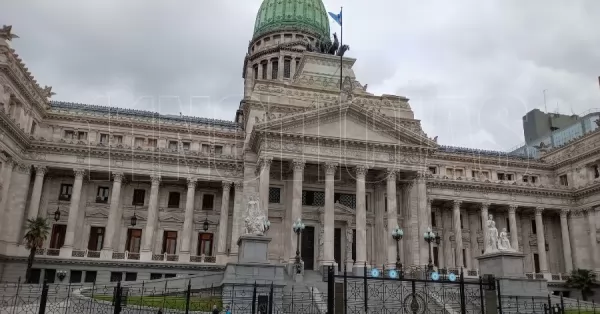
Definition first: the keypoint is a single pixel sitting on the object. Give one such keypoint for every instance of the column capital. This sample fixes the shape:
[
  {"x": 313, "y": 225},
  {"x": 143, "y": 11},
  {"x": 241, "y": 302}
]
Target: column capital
[
  {"x": 457, "y": 204},
  {"x": 155, "y": 178},
  {"x": 361, "y": 170},
  {"x": 191, "y": 182},
  {"x": 10, "y": 163},
  {"x": 330, "y": 167},
  {"x": 429, "y": 201},
  {"x": 265, "y": 162},
  {"x": 512, "y": 208},
  {"x": 239, "y": 186},
  {"x": 23, "y": 168},
  {"x": 539, "y": 210},
  {"x": 79, "y": 173},
  {"x": 391, "y": 173},
  {"x": 298, "y": 164},
  {"x": 40, "y": 170},
  {"x": 118, "y": 176},
  {"x": 564, "y": 212},
  {"x": 226, "y": 186},
  {"x": 485, "y": 205}
]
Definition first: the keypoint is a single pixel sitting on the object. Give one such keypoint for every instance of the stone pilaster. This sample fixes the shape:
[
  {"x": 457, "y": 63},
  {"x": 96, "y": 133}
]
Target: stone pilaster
[
  {"x": 36, "y": 194},
  {"x": 188, "y": 221},
  {"x": 7, "y": 173},
  {"x": 484, "y": 226},
  {"x": 392, "y": 215},
  {"x": 114, "y": 216},
  {"x": 380, "y": 230},
  {"x": 541, "y": 240},
  {"x": 237, "y": 222},
  {"x": 512, "y": 222},
  {"x": 223, "y": 222},
  {"x": 424, "y": 217},
  {"x": 566, "y": 242},
  {"x": 591, "y": 216},
  {"x": 17, "y": 198},
  {"x": 361, "y": 220},
  {"x": 151, "y": 220},
  {"x": 67, "y": 248},
  {"x": 457, "y": 233},
  {"x": 263, "y": 188},
  {"x": 298, "y": 177},
  {"x": 329, "y": 215}
]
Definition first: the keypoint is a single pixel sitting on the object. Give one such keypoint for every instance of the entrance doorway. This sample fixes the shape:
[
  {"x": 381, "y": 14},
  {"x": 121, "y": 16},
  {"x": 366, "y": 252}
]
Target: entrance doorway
[
  {"x": 308, "y": 247},
  {"x": 337, "y": 247}
]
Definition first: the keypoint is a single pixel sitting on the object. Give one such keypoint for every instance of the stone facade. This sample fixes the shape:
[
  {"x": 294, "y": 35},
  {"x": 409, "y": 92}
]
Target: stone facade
[{"x": 351, "y": 165}]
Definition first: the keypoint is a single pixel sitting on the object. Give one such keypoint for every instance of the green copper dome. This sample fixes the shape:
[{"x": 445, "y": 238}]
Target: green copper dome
[{"x": 309, "y": 15}]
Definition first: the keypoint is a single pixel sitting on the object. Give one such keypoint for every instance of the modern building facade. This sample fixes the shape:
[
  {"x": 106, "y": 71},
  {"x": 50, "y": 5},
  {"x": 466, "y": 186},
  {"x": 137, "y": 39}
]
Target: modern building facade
[{"x": 135, "y": 195}]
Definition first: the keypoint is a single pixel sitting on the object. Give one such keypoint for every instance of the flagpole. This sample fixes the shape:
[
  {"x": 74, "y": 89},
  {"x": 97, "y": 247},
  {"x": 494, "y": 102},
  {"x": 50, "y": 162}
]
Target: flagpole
[{"x": 341, "y": 43}]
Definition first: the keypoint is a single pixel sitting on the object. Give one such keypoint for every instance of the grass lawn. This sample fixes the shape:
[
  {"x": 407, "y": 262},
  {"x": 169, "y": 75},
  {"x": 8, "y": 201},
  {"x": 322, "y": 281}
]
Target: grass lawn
[{"x": 204, "y": 304}]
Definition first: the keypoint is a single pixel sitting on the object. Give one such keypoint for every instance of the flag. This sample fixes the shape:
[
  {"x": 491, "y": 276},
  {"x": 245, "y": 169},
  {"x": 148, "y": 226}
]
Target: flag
[{"x": 336, "y": 17}]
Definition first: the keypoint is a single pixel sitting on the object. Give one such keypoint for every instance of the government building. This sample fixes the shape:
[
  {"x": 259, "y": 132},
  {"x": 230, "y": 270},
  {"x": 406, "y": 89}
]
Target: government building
[{"x": 138, "y": 195}]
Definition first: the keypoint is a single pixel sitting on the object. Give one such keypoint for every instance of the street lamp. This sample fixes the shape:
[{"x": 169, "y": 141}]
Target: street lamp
[
  {"x": 57, "y": 214},
  {"x": 430, "y": 236},
  {"x": 134, "y": 217},
  {"x": 298, "y": 227},
  {"x": 397, "y": 234}
]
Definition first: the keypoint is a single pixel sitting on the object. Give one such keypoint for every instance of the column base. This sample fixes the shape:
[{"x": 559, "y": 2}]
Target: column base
[
  {"x": 349, "y": 265},
  {"x": 66, "y": 252},
  {"x": 325, "y": 266},
  {"x": 358, "y": 269},
  {"x": 146, "y": 256},
  {"x": 106, "y": 254},
  {"x": 184, "y": 257}
]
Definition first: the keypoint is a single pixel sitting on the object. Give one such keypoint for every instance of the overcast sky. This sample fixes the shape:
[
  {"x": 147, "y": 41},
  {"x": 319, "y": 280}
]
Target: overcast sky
[{"x": 471, "y": 69}]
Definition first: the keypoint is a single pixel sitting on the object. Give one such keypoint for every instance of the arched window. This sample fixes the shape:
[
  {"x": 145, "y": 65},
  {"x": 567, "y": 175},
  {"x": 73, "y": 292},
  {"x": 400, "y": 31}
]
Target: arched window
[
  {"x": 263, "y": 64},
  {"x": 287, "y": 65},
  {"x": 274, "y": 68},
  {"x": 255, "y": 69}
]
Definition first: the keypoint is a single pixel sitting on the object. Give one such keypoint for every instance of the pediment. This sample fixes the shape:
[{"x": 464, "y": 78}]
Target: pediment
[
  {"x": 349, "y": 122},
  {"x": 339, "y": 209},
  {"x": 171, "y": 218},
  {"x": 97, "y": 213}
]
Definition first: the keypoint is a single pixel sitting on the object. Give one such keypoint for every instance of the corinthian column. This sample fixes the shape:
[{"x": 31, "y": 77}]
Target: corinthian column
[
  {"x": 512, "y": 222},
  {"x": 484, "y": 226},
  {"x": 566, "y": 242},
  {"x": 36, "y": 194},
  {"x": 151, "y": 220},
  {"x": 17, "y": 198},
  {"x": 328, "y": 216},
  {"x": 541, "y": 240},
  {"x": 591, "y": 215},
  {"x": 361, "y": 220},
  {"x": 298, "y": 166},
  {"x": 237, "y": 223},
  {"x": 114, "y": 216},
  {"x": 188, "y": 222},
  {"x": 67, "y": 248},
  {"x": 458, "y": 234},
  {"x": 6, "y": 178},
  {"x": 223, "y": 223},
  {"x": 392, "y": 216},
  {"x": 263, "y": 189}
]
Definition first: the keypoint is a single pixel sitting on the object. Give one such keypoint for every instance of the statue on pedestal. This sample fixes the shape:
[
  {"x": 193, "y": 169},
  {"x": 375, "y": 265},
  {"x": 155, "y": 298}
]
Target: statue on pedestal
[
  {"x": 496, "y": 242},
  {"x": 256, "y": 222}
]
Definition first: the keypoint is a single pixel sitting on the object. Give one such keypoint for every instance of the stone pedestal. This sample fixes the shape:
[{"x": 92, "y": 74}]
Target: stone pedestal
[{"x": 253, "y": 249}]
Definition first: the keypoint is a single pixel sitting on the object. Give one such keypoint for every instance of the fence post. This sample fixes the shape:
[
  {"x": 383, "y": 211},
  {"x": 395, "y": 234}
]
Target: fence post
[
  {"x": 365, "y": 288},
  {"x": 117, "y": 298},
  {"x": 345, "y": 289},
  {"x": 187, "y": 296},
  {"x": 330, "y": 290},
  {"x": 463, "y": 308},
  {"x": 481, "y": 296},
  {"x": 44, "y": 297},
  {"x": 549, "y": 304},
  {"x": 271, "y": 299},
  {"x": 254, "y": 299},
  {"x": 499, "y": 297},
  {"x": 562, "y": 303}
]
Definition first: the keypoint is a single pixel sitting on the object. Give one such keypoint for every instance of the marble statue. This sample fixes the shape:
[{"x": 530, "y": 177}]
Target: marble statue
[
  {"x": 504, "y": 243},
  {"x": 492, "y": 237},
  {"x": 256, "y": 220},
  {"x": 496, "y": 242}
]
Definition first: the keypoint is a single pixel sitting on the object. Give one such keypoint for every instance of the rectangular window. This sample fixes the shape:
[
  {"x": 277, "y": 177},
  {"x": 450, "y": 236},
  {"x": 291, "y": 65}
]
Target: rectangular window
[
  {"x": 563, "y": 180},
  {"x": 536, "y": 263},
  {"x": 507, "y": 225},
  {"x": 104, "y": 138},
  {"x": 218, "y": 150},
  {"x": 596, "y": 171},
  {"x": 173, "y": 200},
  {"x": 170, "y": 275},
  {"x": 449, "y": 172},
  {"x": 33, "y": 128},
  {"x": 65, "y": 192},
  {"x": 313, "y": 198},
  {"x": 287, "y": 68},
  {"x": 75, "y": 276},
  {"x": 205, "y": 148},
  {"x": 533, "y": 179},
  {"x": 169, "y": 242},
  {"x": 96, "y": 239},
  {"x": 255, "y": 70},
  {"x": 274, "y": 195},
  {"x": 274, "y": 69},
  {"x": 134, "y": 240},
  {"x": 205, "y": 244},
  {"x": 433, "y": 223},
  {"x": 458, "y": 172},
  {"x": 208, "y": 202},
  {"x": 69, "y": 134},
  {"x": 435, "y": 256},
  {"x": 34, "y": 276},
  {"x": 533, "y": 227},
  {"x": 90, "y": 276},
  {"x": 509, "y": 177},
  {"x": 433, "y": 170},
  {"x": 297, "y": 64},
  {"x": 501, "y": 176},
  {"x": 82, "y": 136},
  {"x": 102, "y": 195},
  {"x": 525, "y": 178},
  {"x": 464, "y": 254},
  {"x": 264, "y": 70},
  {"x": 138, "y": 197},
  {"x": 130, "y": 276},
  {"x": 172, "y": 145},
  {"x": 116, "y": 276},
  {"x": 152, "y": 142},
  {"x": 186, "y": 145},
  {"x": 58, "y": 236},
  {"x": 118, "y": 139},
  {"x": 155, "y": 276},
  {"x": 138, "y": 142}
]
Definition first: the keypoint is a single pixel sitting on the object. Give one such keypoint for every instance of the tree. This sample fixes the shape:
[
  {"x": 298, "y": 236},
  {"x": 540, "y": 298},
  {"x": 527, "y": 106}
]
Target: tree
[
  {"x": 582, "y": 280},
  {"x": 37, "y": 233}
]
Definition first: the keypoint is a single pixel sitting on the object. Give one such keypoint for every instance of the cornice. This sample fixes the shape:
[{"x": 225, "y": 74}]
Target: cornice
[
  {"x": 16, "y": 70},
  {"x": 487, "y": 187},
  {"x": 575, "y": 151},
  {"x": 503, "y": 160},
  {"x": 8, "y": 125}
]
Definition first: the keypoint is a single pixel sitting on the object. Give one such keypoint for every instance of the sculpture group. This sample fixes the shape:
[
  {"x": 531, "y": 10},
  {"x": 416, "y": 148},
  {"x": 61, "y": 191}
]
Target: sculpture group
[
  {"x": 496, "y": 242},
  {"x": 256, "y": 222}
]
